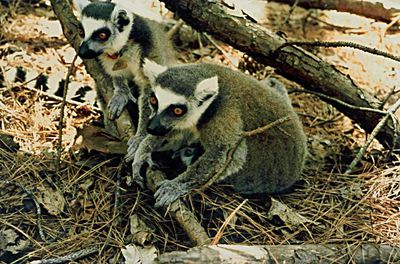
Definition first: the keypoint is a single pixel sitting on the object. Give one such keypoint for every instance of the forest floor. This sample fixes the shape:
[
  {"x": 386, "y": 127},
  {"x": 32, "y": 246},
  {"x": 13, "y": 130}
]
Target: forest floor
[{"x": 77, "y": 200}]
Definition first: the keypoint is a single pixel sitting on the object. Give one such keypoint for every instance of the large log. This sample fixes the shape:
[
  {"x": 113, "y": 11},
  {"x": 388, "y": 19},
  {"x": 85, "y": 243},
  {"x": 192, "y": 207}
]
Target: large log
[
  {"x": 289, "y": 254},
  {"x": 292, "y": 62},
  {"x": 370, "y": 9}
]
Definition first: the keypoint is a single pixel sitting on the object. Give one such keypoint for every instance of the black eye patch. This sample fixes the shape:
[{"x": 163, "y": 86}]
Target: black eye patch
[
  {"x": 81, "y": 31},
  {"x": 102, "y": 34},
  {"x": 172, "y": 109}
]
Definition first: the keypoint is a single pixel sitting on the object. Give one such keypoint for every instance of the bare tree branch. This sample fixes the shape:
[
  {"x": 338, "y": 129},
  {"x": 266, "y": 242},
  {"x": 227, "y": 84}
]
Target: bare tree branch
[{"x": 366, "y": 8}]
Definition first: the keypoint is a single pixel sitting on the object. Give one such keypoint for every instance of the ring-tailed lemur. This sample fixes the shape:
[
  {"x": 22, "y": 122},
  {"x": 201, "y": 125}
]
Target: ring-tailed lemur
[
  {"x": 217, "y": 105},
  {"x": 121, "y": 39}
]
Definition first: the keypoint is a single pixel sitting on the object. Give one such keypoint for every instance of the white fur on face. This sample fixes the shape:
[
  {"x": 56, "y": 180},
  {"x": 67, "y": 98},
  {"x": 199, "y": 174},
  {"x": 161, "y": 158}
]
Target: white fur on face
[
  {"x": 167, "y": 97},
  {"x": 207, "y": 87},
  {"x": 117, "y": 39},
  {"x": 194, "y": 115},
  {"x": 90, "y": 25}
]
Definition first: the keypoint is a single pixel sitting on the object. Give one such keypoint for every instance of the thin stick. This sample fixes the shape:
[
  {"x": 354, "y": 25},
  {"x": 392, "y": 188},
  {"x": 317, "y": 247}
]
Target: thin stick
[
  {"x": 60, "y": 123},
  {"x": 374, "y": 132},
  {"x": 171, "y": 33},
  {"x": 32, "y": 196},
  {"x": 328, "y": 98},
  {"x": 68, "y": 258},
  {"x": 292, "y": 8},
  {"x": 220, "y": 232},
  {"x": 117, "y": 195},
  {"x": 387, "y": 97},
  {"x": 58, "y": 98},
  {"x": 336, "y": 44}
]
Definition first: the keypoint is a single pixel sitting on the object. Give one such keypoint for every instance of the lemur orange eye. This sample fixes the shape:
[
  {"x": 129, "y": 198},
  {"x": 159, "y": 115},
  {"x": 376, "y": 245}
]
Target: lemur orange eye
[
  {"x": 102, "y": 36},
  {"x": 178, "y": 111},
  {"x": 153, "y": 100}
]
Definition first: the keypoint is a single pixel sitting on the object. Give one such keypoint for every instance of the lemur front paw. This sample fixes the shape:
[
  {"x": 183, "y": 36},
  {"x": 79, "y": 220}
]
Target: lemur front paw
[
  {"x": 168, "y": 191},
  {"x": 117, "y": 104},
  {"x": 136, "y": 170},
  {"x": 133, "y": 145}
]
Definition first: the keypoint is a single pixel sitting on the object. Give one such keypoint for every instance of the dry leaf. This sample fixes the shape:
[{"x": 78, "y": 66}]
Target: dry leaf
[
  {"x": 51, "y": 199},
  {"x": 141, "y": 233},
  {"x": 96, "y": 138},
  {"x": 287, "y": 215},
  {"x": 139, "y": 255}
]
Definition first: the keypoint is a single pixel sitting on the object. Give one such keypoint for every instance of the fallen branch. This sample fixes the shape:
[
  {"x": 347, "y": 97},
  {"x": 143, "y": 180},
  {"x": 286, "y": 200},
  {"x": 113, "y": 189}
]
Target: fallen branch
[
  {"x": 366, "y": 8},
  {"x": 292, "y": 62},
  {"x": 186, "y": 219},
  {"x": 289, "y": 254}
]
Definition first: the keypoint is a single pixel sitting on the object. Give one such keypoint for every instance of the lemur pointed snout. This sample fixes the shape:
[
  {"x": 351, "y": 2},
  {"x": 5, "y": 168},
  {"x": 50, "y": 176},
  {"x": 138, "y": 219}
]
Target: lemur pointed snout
[{"x": 86, "y": 53}]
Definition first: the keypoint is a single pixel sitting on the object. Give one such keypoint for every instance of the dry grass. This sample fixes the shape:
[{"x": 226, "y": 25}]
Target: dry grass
[{"x": 79, "y": 206}]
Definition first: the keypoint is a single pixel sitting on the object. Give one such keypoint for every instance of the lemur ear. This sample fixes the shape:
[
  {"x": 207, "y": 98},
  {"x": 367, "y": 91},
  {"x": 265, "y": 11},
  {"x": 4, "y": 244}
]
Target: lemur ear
[
  {"x": 121, "y": 19},
  {"x": 151, "y": 69},
  {"x": 80, "y": 5},
  {"x": 207, "y": 88}
]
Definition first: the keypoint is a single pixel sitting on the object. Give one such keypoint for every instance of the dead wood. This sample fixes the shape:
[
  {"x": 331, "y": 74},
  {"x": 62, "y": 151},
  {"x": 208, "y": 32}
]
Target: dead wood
[
  {"x": 124, "y": 125},
  {"x": 330, "y": 253},
  {"x": 292, "y": 62},
  {"x": 370, "y": 9},
  {"x": 180, "y": 213}
]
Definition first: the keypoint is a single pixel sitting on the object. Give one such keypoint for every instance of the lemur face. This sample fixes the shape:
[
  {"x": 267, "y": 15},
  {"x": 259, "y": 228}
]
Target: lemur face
[
  {"x": 105, "y": 29},
  {"x": 174, "y": 108}
]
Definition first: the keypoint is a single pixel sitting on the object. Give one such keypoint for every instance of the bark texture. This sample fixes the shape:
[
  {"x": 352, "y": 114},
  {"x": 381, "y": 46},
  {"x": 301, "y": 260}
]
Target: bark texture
[
  {"x": 370, "y": 9},
  {"x": 289, "y": 254},
  {"x": 292, "y": 62}
]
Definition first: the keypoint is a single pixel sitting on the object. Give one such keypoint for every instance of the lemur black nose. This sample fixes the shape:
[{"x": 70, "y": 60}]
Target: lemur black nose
[
  {"x": 156, "y": 128},
  {"x": 86, "y": 53}
]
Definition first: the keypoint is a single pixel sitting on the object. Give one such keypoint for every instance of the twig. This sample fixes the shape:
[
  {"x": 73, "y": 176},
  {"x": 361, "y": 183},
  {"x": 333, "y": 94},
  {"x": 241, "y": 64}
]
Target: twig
[
  {"x": 292, "y": 8},
  {"x": 175, "y": 29},
  {"x": 57, "y": 98},
  {"x": 38, "y": 210},
  {"x": 218, "y": 236},
  {"x": 328, "y": 98},
  {"x": 391, "y": 24},
  {"x": 226, "y": 54},
  {"x": 244, "y": 134},
  {"x": 336, "y": 44},
  {"x": 374, "y": 132},
  {"x": 390, "y": 94},
  {"x": 117, "y": 195},
  {"x": 60, "y": 123},
  {"x": 68, "y": 258}
]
